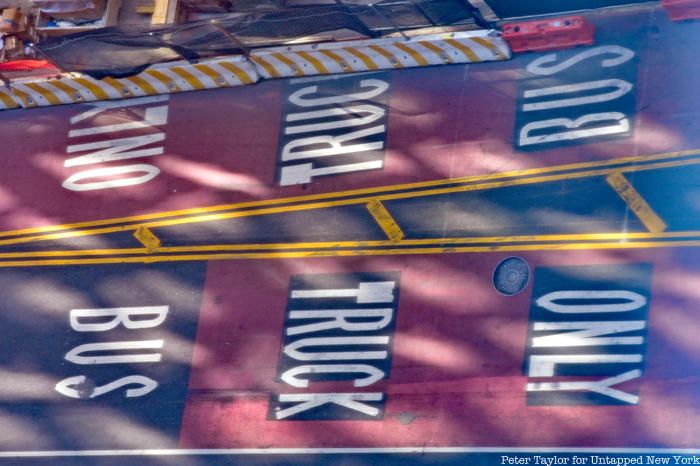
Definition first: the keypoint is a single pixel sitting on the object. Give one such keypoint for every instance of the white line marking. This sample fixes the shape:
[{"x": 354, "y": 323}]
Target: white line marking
[{"x": 303, "y": 451}]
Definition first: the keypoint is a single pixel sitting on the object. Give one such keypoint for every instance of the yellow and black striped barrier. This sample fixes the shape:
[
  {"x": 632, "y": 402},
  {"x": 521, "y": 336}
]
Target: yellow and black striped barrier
[{"x": 268, "y": 63}]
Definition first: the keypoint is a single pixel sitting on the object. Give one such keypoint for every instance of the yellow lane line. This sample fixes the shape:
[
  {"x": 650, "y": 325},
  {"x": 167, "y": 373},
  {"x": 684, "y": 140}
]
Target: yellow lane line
[
  {"x": 636, "y": 202},
  {"x": 446, "y": 242},
  {"x": 357, "y": 192},
  {"x": 351, "y": 253},
  {"x": 346, "y": 202},
  {"x": 385, "y": 221}
]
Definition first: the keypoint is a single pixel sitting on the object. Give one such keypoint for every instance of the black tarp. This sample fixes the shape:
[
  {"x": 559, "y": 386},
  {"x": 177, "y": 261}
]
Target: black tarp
[{"x": 123, "y": 51}]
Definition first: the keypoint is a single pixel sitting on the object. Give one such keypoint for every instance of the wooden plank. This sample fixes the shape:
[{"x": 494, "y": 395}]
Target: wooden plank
[{"x": 165, "y": 12}]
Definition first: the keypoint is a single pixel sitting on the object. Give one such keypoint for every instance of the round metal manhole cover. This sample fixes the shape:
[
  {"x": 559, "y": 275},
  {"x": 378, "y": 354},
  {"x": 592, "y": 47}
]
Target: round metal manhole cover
[{"x": 511, "y": 276}]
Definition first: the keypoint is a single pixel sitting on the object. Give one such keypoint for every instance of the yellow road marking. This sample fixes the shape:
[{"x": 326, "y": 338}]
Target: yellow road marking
[
  {"x": 147, "y": 238},
  {"x": 346, "y": 202},
  {"x": 320, "y": 67},
  {"x": 415, "y": 55},
  {"x": 446, "y": 243},
  {"x": 351, "y": 253},
  {"x": 341, "y": 194},
  {"x": 363, "y": 58},
  {"x": 636, "y": 202},
  {"x": 469, "y": 53},
  {"x": 385, "y": 220}
]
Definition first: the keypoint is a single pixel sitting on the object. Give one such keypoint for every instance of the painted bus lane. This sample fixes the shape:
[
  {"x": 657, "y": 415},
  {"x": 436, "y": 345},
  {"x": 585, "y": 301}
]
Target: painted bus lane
[
  {"x": 453, "y": 264},
  {"x": 430, "y": 350},
  {"x": 296, "y": 137}
]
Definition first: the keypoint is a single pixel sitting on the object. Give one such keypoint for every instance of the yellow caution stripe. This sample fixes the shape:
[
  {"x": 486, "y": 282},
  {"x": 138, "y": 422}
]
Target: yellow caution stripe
[
  {"x": 160, "y": 79},
  {"x": 7, "y": 99},
  {"x": 380, "y": 54},
  {"x": 265, "y": 63}
]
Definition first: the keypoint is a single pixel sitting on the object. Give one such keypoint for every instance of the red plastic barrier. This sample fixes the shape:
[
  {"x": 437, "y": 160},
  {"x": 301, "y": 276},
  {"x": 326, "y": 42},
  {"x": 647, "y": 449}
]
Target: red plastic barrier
[
  {"x": 549, "y": 34},
  {"x": 26, "y": 65}
]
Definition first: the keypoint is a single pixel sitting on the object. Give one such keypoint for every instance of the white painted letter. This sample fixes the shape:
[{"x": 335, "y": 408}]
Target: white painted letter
[
  {"x": 585, "y": 331},
  {"x": 374, "y": 374},
  {"x": 335, "y": 144},
  {"x": 632, "y": 301},
  {"x": 339, "y": 320},
  {"x": 309, "y": 401},
  {"x": 118, "y": 315},
  {"x": 624, "y": 55},
  {"x": 619, "y": 125},
  {"x": 620, "y": 88},
  {"x": 72, "y": 182},
  {"x": 367, "y": 292},
  {"x": 371, "y": 114},
  {"x": 292, "y": 349},
  {"x": 544, "y": 365},
  {"x": 378, "y": 85},
  {"x": 115, "y": 149},
  {"x": 604, "y": 387},
  {"x": 70, "y": 387},
  {"x": 75, "y": 355}
]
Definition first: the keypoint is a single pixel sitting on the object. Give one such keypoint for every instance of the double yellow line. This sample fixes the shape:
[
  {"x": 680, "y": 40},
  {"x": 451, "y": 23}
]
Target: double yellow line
[{"x": 372, "y": 198}]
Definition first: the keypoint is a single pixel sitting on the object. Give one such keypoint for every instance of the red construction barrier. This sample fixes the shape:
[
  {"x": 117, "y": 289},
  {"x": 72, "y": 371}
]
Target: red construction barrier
[{"x": 549, "y": 34}]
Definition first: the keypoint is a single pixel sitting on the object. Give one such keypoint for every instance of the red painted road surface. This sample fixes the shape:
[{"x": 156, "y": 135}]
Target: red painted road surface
[{"x": 585, "y": 341}]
